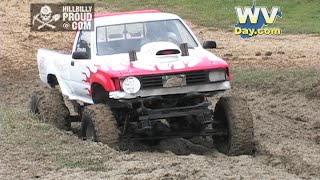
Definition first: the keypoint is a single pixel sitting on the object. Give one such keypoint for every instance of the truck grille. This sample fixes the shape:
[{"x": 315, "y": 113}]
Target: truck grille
[{"x": 155, "y": 81}]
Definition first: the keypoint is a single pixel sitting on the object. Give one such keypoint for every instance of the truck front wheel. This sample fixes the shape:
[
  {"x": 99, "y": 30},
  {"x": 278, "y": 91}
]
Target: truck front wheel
[
  {"x": 99, "y": 125},
  {"x": 234, "y": 116}
]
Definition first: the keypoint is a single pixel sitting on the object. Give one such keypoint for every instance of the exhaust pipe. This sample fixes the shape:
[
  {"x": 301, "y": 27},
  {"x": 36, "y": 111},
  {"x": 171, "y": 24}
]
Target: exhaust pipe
[{"x": 184, "y": 49}]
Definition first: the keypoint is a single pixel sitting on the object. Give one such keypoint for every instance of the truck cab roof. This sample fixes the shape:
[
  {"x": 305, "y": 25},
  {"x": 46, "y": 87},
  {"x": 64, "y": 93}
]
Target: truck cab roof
[{"x": 131, "y": 17}]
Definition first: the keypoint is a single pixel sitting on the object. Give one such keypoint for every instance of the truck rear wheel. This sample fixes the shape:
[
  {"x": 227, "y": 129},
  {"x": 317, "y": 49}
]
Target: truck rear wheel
[
  {"x": 48, "y": 104},
  {"x": 99, "y": 125},
  {"x": 233, "y": 114}
]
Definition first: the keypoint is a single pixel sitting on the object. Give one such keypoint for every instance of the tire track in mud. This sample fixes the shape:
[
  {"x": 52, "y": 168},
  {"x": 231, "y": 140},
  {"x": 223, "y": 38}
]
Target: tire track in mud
[
  {"x": 276, "y": 153},
  {"x": 286, "y": 132}
]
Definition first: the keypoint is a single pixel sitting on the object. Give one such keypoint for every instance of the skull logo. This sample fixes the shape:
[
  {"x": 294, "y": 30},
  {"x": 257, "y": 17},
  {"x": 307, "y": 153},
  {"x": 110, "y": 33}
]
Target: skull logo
[
  {"x": 45, "y": 18},
  {"x": 45, "y": 13}
]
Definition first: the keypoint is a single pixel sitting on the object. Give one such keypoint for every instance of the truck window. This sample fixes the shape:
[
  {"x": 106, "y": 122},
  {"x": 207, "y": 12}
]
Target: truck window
[
  {"x": 122, "y": 38},
  {"x": 84, "y": 43}
]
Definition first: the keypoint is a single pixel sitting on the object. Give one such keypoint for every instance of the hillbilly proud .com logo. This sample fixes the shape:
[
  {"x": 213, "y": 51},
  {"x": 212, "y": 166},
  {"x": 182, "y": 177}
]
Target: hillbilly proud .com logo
[{"x": 62, "y": 17}]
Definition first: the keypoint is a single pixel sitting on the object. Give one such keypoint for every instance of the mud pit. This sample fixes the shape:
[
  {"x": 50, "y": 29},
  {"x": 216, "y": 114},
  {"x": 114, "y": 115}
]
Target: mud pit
[{"x": 286, "y": 125}]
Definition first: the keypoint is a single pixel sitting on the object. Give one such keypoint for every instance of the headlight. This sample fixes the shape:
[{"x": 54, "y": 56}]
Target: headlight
[
  {"x": 131, "y": 85},
  {"x": 217, "y": 75}
]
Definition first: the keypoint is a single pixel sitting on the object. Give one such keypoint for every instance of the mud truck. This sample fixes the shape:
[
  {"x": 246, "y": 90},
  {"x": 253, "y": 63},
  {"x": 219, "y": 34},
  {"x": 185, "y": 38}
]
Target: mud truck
[{"x": 142, "y": 75}]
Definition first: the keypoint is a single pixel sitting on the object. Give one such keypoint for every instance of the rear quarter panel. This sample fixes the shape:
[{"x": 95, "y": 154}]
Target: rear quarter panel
[{"x": 54, "y": 63}]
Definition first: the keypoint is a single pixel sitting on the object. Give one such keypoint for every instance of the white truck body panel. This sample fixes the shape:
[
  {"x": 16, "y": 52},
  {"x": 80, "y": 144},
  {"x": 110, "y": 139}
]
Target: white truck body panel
[{"x": 71, "y": 78}]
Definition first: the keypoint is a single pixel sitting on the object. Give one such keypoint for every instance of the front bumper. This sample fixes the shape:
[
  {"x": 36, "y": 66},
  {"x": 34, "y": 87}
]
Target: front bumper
[{"x": 211, "y": 87}]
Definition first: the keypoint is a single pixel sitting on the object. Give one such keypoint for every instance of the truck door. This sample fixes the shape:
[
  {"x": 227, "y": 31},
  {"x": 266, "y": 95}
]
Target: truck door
[{"x": 81, "y": 57}]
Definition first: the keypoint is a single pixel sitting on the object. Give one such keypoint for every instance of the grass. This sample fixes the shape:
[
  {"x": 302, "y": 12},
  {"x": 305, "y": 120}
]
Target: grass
[
  {"x": 299, "y": 16},
  {"x": 39, "y": 143},
  {"x": 277, "y": 80}
]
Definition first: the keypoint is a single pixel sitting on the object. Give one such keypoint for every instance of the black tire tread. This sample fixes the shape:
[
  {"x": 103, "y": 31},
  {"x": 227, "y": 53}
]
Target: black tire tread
[
  {"x": 104, "y": 123},
  {"x": 48, "y": 104},
  {"x": 240, "y": 124}
]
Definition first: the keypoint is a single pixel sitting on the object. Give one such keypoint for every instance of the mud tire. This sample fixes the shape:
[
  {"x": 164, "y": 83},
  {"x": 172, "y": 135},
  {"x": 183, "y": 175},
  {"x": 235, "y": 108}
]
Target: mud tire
[
  {"x": 99, "y": 125},
  {"x": 235, "y": 116},
  {"x": 48, "y": 105}
]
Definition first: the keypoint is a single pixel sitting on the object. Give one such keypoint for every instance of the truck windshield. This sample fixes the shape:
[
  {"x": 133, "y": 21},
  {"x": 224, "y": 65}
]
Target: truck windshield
[{"x": 122, "y": 38}]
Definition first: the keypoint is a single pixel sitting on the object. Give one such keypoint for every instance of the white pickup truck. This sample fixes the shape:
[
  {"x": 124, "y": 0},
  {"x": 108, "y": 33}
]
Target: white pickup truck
[{"x": 142, "y": 75}]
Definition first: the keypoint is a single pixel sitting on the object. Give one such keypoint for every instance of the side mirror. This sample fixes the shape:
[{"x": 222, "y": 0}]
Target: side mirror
[
  {"x": 209, "y": 45},
  {"x": 80, "y": 55}
]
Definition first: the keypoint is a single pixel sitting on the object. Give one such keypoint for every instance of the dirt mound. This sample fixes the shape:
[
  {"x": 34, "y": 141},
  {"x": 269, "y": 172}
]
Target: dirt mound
[
  {"x": 284, "y": 51},
  {"x": 285, "y": 131},
  {"x": 315, "y": 91},
  {"x": 19, "y": 45},
  {"x": 178, "y": 146}
]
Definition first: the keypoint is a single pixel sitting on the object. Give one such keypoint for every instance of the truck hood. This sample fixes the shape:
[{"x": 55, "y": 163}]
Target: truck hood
[{"x": 158, "y": 58}]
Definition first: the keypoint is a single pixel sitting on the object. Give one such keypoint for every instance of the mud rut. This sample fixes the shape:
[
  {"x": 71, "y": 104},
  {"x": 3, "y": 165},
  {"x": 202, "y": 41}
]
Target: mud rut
[{"x": 286, "y": 125}]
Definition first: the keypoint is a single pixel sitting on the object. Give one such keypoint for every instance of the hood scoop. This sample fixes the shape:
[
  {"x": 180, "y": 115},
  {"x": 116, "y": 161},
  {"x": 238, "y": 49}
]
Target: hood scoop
[
  {"x": 156, "y": 49},
  {"x": 167, "y": 52},
  {"x": 161, "y": 52}
]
